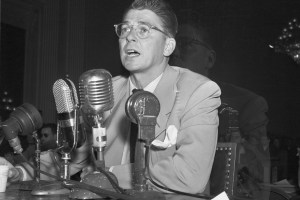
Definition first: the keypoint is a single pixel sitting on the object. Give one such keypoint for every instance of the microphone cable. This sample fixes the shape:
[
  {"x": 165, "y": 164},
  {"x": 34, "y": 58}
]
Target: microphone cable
[
  {"x": 70, "y": 183},
  {"x": 111, "y": 180}
]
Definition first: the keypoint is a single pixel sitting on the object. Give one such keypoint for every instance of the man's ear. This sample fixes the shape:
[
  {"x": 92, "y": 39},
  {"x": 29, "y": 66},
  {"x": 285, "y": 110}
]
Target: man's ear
[{"x": 169, "y": 47}]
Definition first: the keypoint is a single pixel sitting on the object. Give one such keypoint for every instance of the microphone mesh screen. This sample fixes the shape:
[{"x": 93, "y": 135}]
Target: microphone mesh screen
[
  {"x": 74, "y": 92},
  {"x": 63, "y": 96},
  {"x": 96, "y": 91}
]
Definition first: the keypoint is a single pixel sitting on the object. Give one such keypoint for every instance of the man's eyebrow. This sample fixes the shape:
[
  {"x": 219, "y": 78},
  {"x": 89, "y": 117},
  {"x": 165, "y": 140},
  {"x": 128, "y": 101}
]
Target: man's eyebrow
[{"x": 139, "y": 22}]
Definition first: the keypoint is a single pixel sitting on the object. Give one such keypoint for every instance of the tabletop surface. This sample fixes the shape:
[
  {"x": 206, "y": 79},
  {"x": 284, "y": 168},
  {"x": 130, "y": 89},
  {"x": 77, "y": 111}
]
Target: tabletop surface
[{"x": 24, "y": 191}]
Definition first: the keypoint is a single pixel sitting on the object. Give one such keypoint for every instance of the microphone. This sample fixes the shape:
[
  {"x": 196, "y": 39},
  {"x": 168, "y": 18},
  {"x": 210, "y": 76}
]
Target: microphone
[
  {"x": 24, "y": 120},
  {"x": 96, "y": 97},
  {"x": 142, "y": 107},
  {"x": 66, "y": 101}
]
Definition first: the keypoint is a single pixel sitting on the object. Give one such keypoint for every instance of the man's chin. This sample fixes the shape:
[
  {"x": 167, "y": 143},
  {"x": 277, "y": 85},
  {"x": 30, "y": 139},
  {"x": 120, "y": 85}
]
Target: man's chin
[{"x": 131, "y": 65}]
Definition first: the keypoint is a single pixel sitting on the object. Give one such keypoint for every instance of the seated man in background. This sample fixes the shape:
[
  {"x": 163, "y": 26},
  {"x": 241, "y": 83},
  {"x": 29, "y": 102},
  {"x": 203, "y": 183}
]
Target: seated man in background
[{"x": 195, "y": 51}]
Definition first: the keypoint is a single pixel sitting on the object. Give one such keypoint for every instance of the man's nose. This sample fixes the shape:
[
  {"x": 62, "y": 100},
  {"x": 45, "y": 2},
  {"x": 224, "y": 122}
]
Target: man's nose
[{"x": 131, "y": 35}]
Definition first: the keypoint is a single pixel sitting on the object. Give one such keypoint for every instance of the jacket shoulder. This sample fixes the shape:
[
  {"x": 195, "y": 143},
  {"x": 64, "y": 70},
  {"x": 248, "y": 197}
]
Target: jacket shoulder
[{"x": 192, "y": 80}]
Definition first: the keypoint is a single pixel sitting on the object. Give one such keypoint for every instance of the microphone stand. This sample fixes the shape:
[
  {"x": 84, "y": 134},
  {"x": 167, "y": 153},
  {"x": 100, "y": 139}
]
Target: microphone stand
[
  {"x": 66, "y": 148},
  {"x": 37, "y": 156},
  {"x": 40, "y": 187},
  {"x": 143, "y": 107},
  {"x": 146, "y": 127},
  {"x": 99, "y": 141},
  {"x": 99, "y": 178}
]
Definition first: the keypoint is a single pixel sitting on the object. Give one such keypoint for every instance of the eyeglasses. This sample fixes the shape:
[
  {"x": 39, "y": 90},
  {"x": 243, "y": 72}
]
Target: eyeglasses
[
  {"x": 184, "y": 42},
  {"x": 142, "y": 30},
  {"x": 45, "y": 135}
]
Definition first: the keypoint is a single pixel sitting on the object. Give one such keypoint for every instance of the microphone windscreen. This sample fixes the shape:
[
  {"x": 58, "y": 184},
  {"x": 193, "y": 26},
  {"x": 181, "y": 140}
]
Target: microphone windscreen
[
  {"x": 65, "y": 95},
  {"x": 29, "y": 118},
  {"x": 24, "y": 120},
  {"x": 96, "y": 91}
]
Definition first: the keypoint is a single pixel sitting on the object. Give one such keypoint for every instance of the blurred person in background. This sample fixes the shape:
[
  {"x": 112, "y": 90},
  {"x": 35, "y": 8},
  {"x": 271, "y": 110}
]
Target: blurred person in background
[
  {"x": 195, "y": 51},
  {"x": 48, "y": 136}
]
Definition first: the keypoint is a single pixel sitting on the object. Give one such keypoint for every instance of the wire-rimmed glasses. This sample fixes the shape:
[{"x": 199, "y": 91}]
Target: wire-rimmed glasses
[{"x": 142, "y": 30}]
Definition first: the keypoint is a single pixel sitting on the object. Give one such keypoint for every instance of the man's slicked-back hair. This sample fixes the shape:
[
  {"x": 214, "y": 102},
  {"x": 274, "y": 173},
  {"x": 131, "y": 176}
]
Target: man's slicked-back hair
[{"x": 162, "y": 9}]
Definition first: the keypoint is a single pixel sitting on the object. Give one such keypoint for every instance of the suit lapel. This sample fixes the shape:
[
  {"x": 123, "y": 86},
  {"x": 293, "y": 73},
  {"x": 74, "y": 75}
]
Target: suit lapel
[{"x": 166, "y": 94}]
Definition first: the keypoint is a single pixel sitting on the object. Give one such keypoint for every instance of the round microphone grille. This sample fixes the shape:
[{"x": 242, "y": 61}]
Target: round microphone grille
[{"x": 96, "y": 91}]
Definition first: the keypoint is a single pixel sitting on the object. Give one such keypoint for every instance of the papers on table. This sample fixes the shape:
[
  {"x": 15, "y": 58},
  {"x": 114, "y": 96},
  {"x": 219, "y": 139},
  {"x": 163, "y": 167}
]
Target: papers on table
[{"x": 222, "y": 196}]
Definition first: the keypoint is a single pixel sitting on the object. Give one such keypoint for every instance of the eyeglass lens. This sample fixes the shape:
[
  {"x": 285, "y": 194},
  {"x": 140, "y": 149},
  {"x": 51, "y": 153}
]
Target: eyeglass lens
[{"x": 142, "y": 30}]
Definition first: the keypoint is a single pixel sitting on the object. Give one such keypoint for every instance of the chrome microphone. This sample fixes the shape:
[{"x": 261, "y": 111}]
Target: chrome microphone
[
  {"x": 66, "y": 101},
  {"x": 96, "y": 97},
  {"x": 96, "y": 91}
]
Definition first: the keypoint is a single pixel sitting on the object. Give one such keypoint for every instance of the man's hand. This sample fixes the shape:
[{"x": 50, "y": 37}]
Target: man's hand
[{"x": 14, "y": 174}]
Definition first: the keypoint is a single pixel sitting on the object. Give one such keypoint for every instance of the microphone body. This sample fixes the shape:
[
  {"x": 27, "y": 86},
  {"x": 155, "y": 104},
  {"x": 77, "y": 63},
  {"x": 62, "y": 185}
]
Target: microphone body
[{"x": 24, "y": 120}]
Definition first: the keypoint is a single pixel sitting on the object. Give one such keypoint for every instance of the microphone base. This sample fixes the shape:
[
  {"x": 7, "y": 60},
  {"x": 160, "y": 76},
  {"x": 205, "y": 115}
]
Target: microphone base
[
  {"x": 97, "y": 179},
  {"x": 50, "y": 188}
]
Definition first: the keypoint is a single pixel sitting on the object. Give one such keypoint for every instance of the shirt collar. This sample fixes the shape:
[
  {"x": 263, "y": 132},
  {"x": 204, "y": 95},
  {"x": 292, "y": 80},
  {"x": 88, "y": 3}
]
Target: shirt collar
[{"x": 150, "y": 87}]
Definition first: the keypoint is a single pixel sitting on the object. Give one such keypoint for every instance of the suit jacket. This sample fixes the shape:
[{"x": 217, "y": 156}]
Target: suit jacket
[{"x": 188, "y": 101}]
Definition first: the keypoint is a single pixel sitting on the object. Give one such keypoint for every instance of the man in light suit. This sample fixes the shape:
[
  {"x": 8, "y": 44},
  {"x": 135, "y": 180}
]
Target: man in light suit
[
  {"x": 188, "y": 101},
  {"x": 189, "y": 104}
]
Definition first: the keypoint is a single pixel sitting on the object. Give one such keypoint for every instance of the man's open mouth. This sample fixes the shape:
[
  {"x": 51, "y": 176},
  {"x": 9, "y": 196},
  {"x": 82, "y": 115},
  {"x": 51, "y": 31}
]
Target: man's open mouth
[{"x": 132, "y": 52}]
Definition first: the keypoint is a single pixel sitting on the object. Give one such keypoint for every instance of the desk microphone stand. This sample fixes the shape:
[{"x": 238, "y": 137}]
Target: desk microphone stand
[
  {"x": 142, "y": 107},
  {"x": 37, "y": 156},
  {"x": 97, "y": 178}
]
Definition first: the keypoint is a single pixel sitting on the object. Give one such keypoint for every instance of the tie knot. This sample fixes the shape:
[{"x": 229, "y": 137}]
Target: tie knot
[{"x": 135, "y": 90}]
